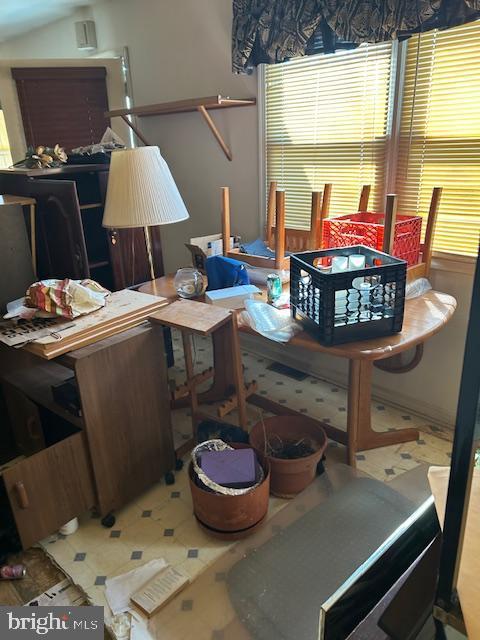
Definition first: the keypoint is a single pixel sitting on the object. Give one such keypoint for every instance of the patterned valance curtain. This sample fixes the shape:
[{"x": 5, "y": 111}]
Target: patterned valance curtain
[{"x": 272, "y": 31}]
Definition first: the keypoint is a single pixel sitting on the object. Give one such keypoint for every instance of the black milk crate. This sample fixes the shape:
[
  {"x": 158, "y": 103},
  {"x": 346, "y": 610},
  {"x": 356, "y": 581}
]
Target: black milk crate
[{"x": 349, "y": 305}]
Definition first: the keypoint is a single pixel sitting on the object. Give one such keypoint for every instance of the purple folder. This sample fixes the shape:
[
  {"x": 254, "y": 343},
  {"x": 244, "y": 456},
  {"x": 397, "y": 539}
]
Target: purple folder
[{"x": 234, "y": 468}]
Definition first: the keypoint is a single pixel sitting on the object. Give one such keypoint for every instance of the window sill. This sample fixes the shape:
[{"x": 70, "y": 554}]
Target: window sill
[{"x": 454, "y": 263}]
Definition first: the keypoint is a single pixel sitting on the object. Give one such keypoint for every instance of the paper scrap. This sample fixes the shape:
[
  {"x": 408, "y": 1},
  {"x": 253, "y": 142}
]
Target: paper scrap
[{"x": 120, "y": 588}]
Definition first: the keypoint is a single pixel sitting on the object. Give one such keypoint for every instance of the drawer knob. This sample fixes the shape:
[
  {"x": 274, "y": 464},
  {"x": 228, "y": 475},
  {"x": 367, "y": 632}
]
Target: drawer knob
[{"x": 22, "y": 495}]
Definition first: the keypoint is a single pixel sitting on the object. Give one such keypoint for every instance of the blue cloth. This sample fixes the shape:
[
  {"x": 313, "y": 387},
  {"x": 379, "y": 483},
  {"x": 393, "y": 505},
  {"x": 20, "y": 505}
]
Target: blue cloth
[
  {"x": 225, "y": 272},
  {"x": 258, "y": 248}
]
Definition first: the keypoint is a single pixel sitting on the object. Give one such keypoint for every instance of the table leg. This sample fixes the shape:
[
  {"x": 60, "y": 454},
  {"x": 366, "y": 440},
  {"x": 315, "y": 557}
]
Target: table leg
[
  {"x": 238, "y": 374},
  {"x": 187, "y": 350},
  {"x": 361, "y": 436},
  {"x": 223, "y": 383}
]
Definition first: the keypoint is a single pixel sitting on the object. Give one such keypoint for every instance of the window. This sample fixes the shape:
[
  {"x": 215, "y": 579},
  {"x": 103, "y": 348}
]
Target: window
[
  {"x": 64, "y": 105},
  {"x": 326, "y": 121},
  {"x": 440, "y": 134},
  {"x": 328, "y": 118},
  {"x": 5, "y": 155}
]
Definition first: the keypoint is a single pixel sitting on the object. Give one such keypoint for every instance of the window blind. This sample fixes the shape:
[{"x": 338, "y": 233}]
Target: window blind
[
  {"x": 327, "y": 120},
  {"x": 63, "y": 105},
  {"x": 440, "y": 134}
]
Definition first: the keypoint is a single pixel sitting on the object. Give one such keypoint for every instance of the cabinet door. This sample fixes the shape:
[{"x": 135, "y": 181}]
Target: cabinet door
[
  {"x": 50, "y": 488},
  {"x": 126, "y": 411},
  {"x": 62, "y": 252}
]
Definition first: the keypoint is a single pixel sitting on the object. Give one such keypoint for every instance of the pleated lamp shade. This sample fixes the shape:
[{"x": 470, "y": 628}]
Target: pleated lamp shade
[{"x": 141, "y": 191}]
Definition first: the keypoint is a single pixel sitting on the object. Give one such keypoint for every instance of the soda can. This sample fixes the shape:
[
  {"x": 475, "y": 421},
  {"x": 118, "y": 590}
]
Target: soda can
[
  {"x": 12, "y": 571},
  {"x": 274, "y": 287}
]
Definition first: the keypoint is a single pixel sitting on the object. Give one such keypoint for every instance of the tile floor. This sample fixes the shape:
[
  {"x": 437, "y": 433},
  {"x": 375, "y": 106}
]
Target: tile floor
[{"x": 160, "y": 522}]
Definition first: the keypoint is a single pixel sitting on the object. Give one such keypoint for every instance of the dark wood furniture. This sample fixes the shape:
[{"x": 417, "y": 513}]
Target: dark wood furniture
[
  {"x": 71, "y": 241},
  {"x": 120, "y": 446},
  {"x": 424, "y": 317}
]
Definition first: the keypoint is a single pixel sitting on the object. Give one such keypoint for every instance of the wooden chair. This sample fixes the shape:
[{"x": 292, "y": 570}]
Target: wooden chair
[
  {"x": 277, "y": 237},
  {"x": 364, "y": 198},
  {"x": 420, "y": 270}
]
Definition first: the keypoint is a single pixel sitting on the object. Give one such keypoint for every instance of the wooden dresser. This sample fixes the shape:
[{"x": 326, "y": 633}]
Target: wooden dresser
[
  {"x": 62, "y": 465},
  {"x": 71, "y": 241}
]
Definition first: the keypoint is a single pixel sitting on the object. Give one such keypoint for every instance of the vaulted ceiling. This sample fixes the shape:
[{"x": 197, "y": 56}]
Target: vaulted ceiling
[{"x": 21, "y": 16}]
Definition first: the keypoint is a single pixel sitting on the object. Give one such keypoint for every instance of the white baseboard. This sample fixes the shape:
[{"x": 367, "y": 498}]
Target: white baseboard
[{"x": 339, "y": 376}]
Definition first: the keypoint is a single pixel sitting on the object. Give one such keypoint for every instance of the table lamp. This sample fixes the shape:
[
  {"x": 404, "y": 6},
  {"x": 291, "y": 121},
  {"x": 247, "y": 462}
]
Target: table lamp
[{"x": 142, "y": 193}]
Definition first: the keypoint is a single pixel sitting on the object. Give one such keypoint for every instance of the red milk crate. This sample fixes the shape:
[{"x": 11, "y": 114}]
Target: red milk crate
[{"x": 367, "y": 228}]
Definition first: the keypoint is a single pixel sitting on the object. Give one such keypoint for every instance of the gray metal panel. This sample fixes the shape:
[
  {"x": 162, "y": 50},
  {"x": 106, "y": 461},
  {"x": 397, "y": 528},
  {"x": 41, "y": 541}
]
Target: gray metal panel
[{"x": 16, "y": 271}]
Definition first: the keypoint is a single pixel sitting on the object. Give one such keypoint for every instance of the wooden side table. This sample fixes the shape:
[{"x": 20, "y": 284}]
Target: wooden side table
[
  {"x": 24, "y": 201},
  {"x": 192, "y": 318}
]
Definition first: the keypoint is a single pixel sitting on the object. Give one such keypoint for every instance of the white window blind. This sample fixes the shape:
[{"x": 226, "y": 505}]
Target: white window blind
[
  {"x": 327, "y": 120},
  {"x": 440, "y": 134}
]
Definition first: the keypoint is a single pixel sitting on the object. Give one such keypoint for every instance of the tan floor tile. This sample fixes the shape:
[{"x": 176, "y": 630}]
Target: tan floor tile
[
  {"x": 104, "y": 561},
  {"x": 61, "y": 550},
  {"x": 84, "y": 575},
  {"x": 142, "y": 533},
  {"x": 128, "y": 514},
  {"x": 171, "y": 550},
  {"x": 153, "y": 497},
  {"x": 193, "y": 567},
  {"x": 172, "y": 513},
  {"x": 192, "y": 535}
]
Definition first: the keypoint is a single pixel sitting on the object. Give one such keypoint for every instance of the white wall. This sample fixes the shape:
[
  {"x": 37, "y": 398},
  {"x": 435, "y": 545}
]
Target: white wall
[{"x": 181, "y": 49}]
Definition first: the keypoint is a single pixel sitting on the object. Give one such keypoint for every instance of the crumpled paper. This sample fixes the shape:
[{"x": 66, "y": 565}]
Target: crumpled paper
[
  {"x": 109, "y": 142},
  {"x": 66, "y": 298}
]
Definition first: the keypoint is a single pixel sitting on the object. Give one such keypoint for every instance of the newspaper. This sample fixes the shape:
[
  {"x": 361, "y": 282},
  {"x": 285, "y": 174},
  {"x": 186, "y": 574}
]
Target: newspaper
[
  {"x": 16, "y": 334},
  {"x": 63, "y": 594}
]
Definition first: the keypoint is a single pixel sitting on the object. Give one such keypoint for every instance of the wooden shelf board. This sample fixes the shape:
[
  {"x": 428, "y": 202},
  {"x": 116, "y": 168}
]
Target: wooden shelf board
[
  {"x": 66, "y": 168},
  {"x": 8, "y": 200},
  {"x": 201, "y": 105},
  {"x": 183, "y": 106},
  {"x": 35, "y": 382}
]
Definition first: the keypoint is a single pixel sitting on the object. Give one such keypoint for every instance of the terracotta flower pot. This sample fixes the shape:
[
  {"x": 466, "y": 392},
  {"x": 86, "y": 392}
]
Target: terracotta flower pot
[
  {"x": 290, "y": 476},
  {"x": 231, "y": 517}
]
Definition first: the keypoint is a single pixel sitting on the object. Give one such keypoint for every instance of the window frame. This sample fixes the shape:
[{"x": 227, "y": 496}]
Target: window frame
[{"x": 442, "y": 261}]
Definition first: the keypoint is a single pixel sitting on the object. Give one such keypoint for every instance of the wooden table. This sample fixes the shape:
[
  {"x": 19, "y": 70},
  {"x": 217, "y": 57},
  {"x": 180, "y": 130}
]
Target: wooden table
[{"x": 424, "y": 316}]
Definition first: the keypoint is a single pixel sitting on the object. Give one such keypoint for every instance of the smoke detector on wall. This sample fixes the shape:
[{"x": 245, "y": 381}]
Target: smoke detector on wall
[{"x": 86, "y": 35}]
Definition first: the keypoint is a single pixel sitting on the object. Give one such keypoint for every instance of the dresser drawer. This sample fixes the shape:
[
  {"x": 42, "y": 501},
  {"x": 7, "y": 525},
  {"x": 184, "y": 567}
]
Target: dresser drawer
[{"x": 49, "y": 488}]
